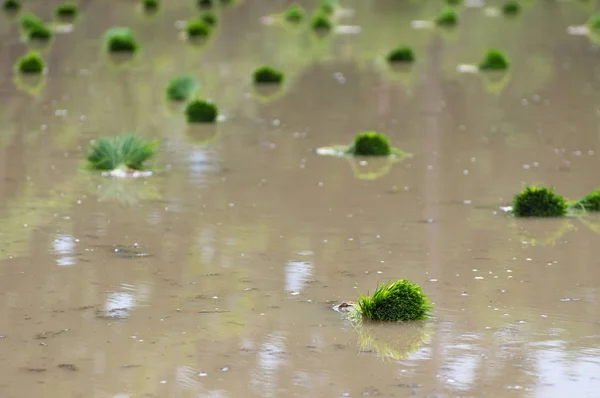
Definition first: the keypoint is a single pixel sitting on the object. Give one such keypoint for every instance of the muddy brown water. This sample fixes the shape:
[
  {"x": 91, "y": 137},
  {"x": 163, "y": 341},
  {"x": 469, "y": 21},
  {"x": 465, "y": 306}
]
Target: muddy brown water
[{"x": 216, "y": 277}]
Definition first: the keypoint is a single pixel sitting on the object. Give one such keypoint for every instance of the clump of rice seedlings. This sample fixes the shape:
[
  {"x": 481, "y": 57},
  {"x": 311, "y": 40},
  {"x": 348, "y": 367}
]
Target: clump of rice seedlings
[
  {"x": 205, "y": 3},
  {"x": 594, "y": 23},
  {"x": 398, "y": 301},
  {"x": 590, "y": 202},
  {"x": 120, "y": 40},
  {"x": 150, "y": 5},
  {"x": 201, "y": 111},
  {"x": 370, "y": 143},
  {"x": 31, "y": 63},
  {"x": 320, "y": 21},
  {"x": 328, "y": 6},
  {"x": 448, "y": 17},
  {"x": 294, "y": 13},
  {"x": 512, "y": 7},
  {"x": 197, "y": 29},
  {"x": 401, "y": 54},
  {"x": 181, "y": 88},
  {"x": 124, "y": 153},
  {"x": 208, "y": 18},
  {"x": 40, "y": 32},
  {"x": 539, "y": 202},
  {"x": 30, "y": 21},
  {"x": 66, "y": 10},
  {"x": 266, "y": 74},
  {"x": 454, "y": 2},
  {"x": 11, "y": 6},
  {"x": 494, "y": 59}
]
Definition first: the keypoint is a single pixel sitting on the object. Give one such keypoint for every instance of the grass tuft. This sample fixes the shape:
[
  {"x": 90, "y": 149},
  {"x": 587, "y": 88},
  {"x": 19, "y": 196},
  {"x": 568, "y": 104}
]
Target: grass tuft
[
  {"x": 539, "y": 202},
  {"x": 294, "y": 13},
  {"x": 401, "y": 54},
  {"x": 494, "y": 59},
  {"x": 35, "y": 28},
  {"x": 512, "y": 7},
  {"x": 201, "y": 111},
  {"x": 328, "y": 6},
  {"x": 320, "y": 21},
  {"x": 150, "y": 5},
  {"x": 370, "y": 143},
  {"x": 397, "y": 301},
  {"x": 208, "y": 18},
  {"x": 11, "y": 6},
  {"x": 594, "y": 23},
  {"x": 448, "y": 17},
  {"x": 128, "y": 152},
  {"x": 66, "y": 10},
  {"x": 590, "y": 202},
  {"x": 31, "y": 63},
  {"x": 197, "y": 28},
  {"x": 181, "y": 88},
  {"x": 454, "y": 2},
  {"x": 120, "y": 40},
  {"x": 205, "y": 4},
  {"x": 266, "y": 74}
]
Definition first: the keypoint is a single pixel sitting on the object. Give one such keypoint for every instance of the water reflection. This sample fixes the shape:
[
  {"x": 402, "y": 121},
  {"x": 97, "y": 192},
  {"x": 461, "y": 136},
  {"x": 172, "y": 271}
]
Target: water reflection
[
  {"x": 297, "y": 274},
  {"x": 65, "y": 246}
]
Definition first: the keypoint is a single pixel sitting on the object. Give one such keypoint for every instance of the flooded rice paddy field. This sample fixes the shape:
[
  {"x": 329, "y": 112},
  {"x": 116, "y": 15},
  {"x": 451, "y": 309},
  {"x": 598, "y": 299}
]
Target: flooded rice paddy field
[{"x": 216, "y": 277}]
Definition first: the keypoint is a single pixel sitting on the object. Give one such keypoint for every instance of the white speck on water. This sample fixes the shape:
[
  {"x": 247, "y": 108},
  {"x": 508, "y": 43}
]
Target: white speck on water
[
  {"x": 433, "y": 280},
  {"x": 467, "y": 202},
  {"x": 524, "y": 102},
  {"x": 526, "y": 166},
  {"x": 467, "y": 68},
  {"x": 429, "y": 167},
  {"x": 276, "y": 122},
  {"x": 215, "y": 297},
  {"x": 163, "y": 382},
  {"x": 294, "y": 293},
  {"x": 420, "y": 24},
  {"x": 479, "y": 277},
  {"x": 224, "y": 369},
  {"x": 320, "y": 184},
  {"x": 528, "y": 259},
  {"x": 544, "y": 316},
  {"x": 465, "y": 172},
  {"x": 580, "y": 30}
]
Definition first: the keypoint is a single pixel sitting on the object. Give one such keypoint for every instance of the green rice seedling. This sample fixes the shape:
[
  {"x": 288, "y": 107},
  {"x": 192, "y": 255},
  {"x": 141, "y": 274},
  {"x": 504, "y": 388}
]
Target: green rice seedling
[
  {"x": 31, "y": 63},
  {"x": 197, "y": 29},
  {"x": 39, "y": 32},
  {"x": 30, "y": 21},
  {"x": 266, "y": 74},
  {"x": 494, "y": 59},
  {"x": 398, "y": 301},
  {"x": 539, "y": 202},
  {"x": 205, "y": 3},
  {"x": 294, "y": 13},
  {"x": 448, "y": 17},
  {"x": 454, "y": 2},
  {"x": 201, "y": 111},
  {"x": 328, "y": 6},
  {"x": 320, "y": 21},
  {"x": 11, "y": 6},
  {"x": 590, "y": 202},
  {"x": 401, "y": 54},
  {"x": 128, "y": 152},
  {"x": 208, "y": 18},
  {"x": 370, "y": 143},
  {"x": 120, "y": 40},
  {"x": 181, "y": 88},
  {"x": 594, "y": 23},
  {"x": 150, "y": 5},
  {"x": 66, "y": 10},
  {"x": 512, "y": 7}
]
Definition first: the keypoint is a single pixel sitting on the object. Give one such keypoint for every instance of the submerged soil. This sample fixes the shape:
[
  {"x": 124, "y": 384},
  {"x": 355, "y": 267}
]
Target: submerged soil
[{"x": 216, "y": 277}]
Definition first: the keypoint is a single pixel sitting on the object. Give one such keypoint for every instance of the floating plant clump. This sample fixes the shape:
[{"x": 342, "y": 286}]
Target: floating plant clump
[
  {"x": 294, "y": 13},
  {"x": 197, "y": 28},
  {"x": 401, "y": 54},
  {"x": 150, "y": 5},
  {"x": 512, "y": 7},
  {"x": 205, "y": 3},
  {"x": 328, "y": 6},
  {"x": 594, "y": 23},
  {"x": 201, "y": 111},
  {"x": 539, "y": 202},
  {"x": 368, "y": 143},
  {"x": 209, "y": 18},
  {"x": 494, "y": 59},
  {"x": 448, "y": 17},
  {"x": 29, "y": 21},
  {"x": 35, "y": 28},
  {"x": 120, "y": 40},
  {"x": 398, "y": 301},
  {"x": 266, "y": 74},
  {"x": 66, "y": 10},
  {"x": 320, "y": 21},
  {"x": 11, "y": 6},
  {"x": 590, "y": 202},
  {"x": 122, "y": 156},
  {"x": 31, "y": 63},
  {"x": 181, "y": 88}
]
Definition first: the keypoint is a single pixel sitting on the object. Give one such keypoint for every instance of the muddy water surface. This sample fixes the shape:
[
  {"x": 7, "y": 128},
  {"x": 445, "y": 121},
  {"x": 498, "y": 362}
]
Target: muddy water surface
[{"x": 216, "y": 277}]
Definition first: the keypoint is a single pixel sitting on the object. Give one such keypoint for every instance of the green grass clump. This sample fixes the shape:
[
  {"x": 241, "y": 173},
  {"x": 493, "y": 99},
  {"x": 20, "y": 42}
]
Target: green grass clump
[
  {"x": 11, "y": 6},
  {"x": 197, "y": 28},
  {"x": 205, "y": 3},
  {"x": 208, "y": 18},
  {"x": 512, "y": 7},
  {"x": 201, "y": 111},
  {"x": 401, "y": 54},
  {"x": 266, "y": 74},
  {"x": 594, "y": 22},
  {"x": 398, "y": 301},
  {"x": 328, "y": 6},
  {"x": 454, "y": 2},
  {"x": 448, "y": 17},
  {"x": 31, "y": 63},
  {"x": 40, "y": 32},
  {"x": 539, "y": 202},
  {"x": 494, "y": 59},
  {"x": 294, "y": 13},
  {"x": 127, "y": 152},
  {"x": 30, "y": 21},
  {"x": 590, "y": 202},
  {"x": 321, "y": 21},
  {"x": 370, "y": 143},
  {"x": 150, "y": 5},
  {"x": 66, "y": 10},
  {"x": 181, "y": 88},
  {"x": 120, "y": 40}
]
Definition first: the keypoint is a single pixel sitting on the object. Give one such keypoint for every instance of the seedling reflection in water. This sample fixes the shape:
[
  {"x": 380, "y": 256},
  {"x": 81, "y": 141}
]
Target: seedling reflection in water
[{"x": 123, "y": 156}]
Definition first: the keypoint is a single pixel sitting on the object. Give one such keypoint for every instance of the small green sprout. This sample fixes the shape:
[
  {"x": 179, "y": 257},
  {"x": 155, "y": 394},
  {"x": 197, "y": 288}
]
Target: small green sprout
[
  {"x": 370, "y": 143},
  {"x": 197, "y": 29},
  {"x": 594, "y": 22},
  {"x": 401, "y": 54},
  {"x": 539, "y": 202},
  {"x": 448, "y": 17},
  {"x": 128, "y": 152},
  {"x": 181, "y": 88},
  {"x": 320, "y": 21},
  {"x": 494, "y": 60},
  {"x": 209, "y": 18},
  {"x": 590, "y": 202},
  {"x": 11, "y": 6},
  {"x": 31, "y": 63},
  {"x": 512, "y": 7},
  {"x": 201, "y": 111},
  {"x": 266, "y": 74},
  {"x": 398, "y": 301},
  {"x": 66, "y": 10},
  {"x": 120, "y": 40},
  {"x": 294, "y": 13},
  {"x": 150, "y": 5}
]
